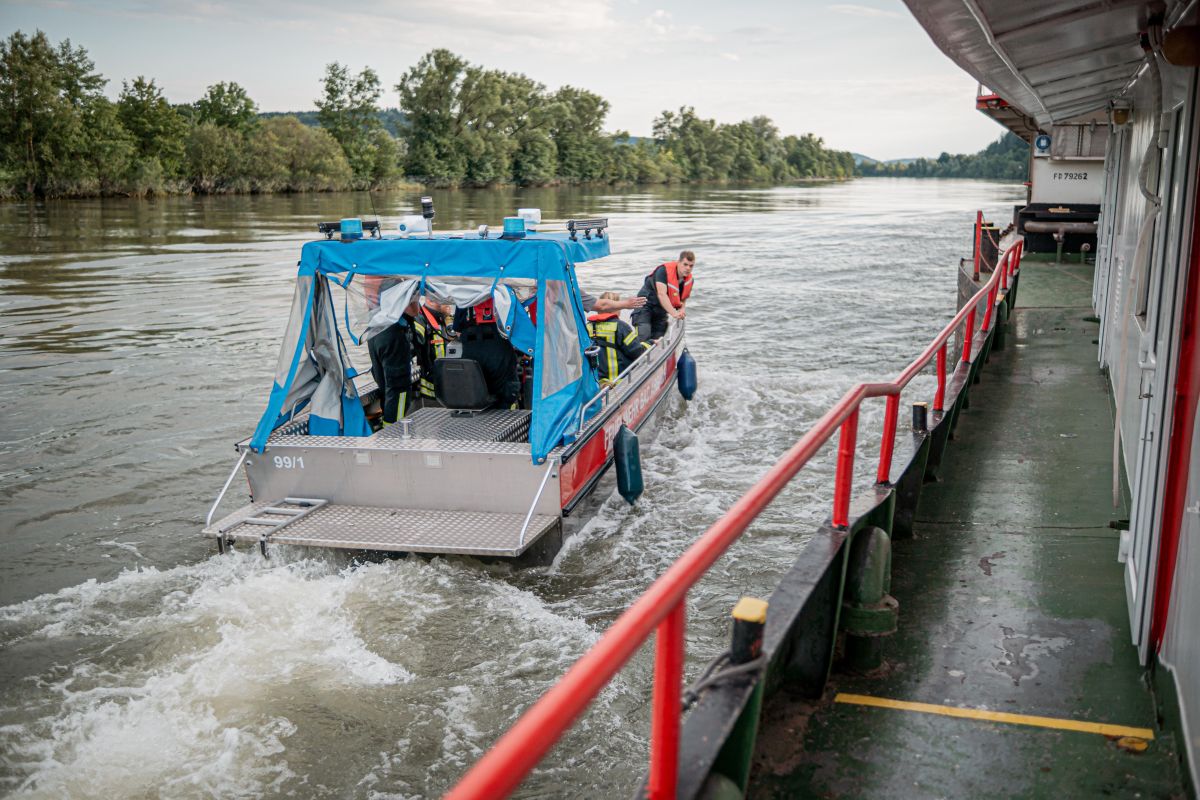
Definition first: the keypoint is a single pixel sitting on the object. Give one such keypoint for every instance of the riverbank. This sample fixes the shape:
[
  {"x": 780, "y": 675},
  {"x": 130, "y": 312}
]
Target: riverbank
[{"x": 9, "y": 193}]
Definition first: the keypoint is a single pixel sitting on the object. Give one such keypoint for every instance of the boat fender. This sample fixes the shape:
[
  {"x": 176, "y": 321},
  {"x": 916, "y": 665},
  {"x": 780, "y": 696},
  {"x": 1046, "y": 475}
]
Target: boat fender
[
  {"x": 687, "y": 375},
  {"x": 629, "y": 465}
]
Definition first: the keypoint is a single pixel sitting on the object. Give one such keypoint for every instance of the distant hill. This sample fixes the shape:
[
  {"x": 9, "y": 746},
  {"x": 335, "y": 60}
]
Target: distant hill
[
  {"x": 1007, "y": 158},
  {"x": 860, "y": 159},
  {"x": 392, "y": 118}
]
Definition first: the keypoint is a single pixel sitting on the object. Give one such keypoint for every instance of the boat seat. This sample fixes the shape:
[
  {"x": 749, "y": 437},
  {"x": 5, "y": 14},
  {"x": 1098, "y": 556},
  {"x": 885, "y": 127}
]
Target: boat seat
[{"x": 459, "y": 383}]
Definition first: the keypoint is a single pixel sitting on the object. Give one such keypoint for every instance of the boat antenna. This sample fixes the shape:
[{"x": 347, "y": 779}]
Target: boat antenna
[{"x": 378, "y": 224}]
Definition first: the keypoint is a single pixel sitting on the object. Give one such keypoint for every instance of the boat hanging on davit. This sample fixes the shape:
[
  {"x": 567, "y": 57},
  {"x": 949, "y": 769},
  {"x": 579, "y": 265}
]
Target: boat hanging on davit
[{"x": 514, "y": 420}]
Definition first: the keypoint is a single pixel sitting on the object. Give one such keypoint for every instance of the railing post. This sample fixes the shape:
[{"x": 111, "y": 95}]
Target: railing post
[
  {"x": 987, "y": 312},
  {"x": 891, "y": 412},
  {"x": 845, "y": 471},
  {"x": 940, "y": 396},
  {"x": 968, "y": 334},
  {"x": 1004, "y": 265},
  {"x": 978, "y": 239},
  {"x": 665, "y": 723}
]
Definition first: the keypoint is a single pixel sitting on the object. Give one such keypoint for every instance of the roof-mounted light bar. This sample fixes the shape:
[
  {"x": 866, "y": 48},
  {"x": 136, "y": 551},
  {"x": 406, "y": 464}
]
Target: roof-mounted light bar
[
  {"x": 586, "y": 226},
  {"x": 369, "y": 227}
]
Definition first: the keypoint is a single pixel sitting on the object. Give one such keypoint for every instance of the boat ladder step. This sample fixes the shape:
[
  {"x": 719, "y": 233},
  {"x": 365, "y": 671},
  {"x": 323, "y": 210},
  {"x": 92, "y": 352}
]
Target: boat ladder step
[{"x": 273, "y": 518}]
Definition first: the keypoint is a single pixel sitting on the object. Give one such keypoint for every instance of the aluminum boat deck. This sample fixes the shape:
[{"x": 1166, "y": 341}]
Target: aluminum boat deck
[{"x": 429, "y": 438}]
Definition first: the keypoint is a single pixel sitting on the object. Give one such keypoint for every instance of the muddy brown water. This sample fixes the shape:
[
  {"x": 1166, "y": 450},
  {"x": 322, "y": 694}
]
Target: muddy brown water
[{"x": 137, "y": 344}]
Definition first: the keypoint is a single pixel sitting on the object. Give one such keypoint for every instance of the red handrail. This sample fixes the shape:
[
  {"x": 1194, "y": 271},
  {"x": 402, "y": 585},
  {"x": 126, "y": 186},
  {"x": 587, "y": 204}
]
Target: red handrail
[{"x": 661, "y": 608}]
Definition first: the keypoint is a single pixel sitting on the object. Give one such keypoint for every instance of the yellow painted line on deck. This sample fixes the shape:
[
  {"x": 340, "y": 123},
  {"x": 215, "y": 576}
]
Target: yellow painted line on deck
[{"x": 995, "y": 716}]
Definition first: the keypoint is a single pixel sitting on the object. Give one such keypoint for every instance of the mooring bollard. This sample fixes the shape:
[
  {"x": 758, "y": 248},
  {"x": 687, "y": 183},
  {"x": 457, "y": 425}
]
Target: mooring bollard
[
  {"x": 920, "y": 417},
  {"x": 749, "y": 619},
  {"x": 869, "y": 612}
]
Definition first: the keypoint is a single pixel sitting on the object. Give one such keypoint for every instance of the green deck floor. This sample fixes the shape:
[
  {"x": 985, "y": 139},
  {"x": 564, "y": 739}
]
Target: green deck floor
[{"x": 1011, "y": 599}]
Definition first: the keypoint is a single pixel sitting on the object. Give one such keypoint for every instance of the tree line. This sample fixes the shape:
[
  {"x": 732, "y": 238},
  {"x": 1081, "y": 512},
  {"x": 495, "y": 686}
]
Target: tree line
[
  {"x": 1007, "y": 158},
  {"x": 457, "y": 124}
]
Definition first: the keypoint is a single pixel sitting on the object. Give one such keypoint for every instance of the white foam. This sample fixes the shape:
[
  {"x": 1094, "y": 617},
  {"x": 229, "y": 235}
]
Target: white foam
[{"x": 196, "y": 713}]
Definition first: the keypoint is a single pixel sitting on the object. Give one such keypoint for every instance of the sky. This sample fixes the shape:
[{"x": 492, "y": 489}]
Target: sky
[{"x": 864, "y": 76}]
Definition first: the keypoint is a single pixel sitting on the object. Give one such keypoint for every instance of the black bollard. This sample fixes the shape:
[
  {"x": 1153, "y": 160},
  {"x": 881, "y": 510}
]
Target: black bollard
[
  {"x": 920, "y": 417},
  {"x": 749, "y": 618}
]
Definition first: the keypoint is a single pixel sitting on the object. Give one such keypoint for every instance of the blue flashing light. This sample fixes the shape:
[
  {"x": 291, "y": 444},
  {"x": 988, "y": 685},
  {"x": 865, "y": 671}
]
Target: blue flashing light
[
  {"x": 514, "y": 228},
  {"x": 351, "y": 228}
]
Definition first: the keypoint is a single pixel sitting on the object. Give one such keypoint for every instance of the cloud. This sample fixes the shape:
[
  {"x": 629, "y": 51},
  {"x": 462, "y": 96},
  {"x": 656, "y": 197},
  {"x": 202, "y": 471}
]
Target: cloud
[
  {"x": 731, "y": 56},
  {"x": 863, "y": 11},
  {"x": 659, "y": 23}
]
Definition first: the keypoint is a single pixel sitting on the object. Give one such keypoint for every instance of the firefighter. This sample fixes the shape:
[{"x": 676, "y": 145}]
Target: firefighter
[
  {"x": 429, "y": 338},
  {"x": 666, "y": 291},
  {"x": 617, "y": 340},
  {"x": 481, "y": 341},
  {"x": 391, "y": 364}
]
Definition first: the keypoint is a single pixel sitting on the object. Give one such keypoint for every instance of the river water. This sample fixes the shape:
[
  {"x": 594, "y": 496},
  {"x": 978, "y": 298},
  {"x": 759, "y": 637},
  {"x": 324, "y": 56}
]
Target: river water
[{"x": 137, "y": 344}]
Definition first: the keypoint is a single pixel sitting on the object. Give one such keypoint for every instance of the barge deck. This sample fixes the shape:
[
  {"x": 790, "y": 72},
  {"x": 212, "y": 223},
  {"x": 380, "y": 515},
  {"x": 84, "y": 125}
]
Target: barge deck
[{"x": 1011, "y": 601}]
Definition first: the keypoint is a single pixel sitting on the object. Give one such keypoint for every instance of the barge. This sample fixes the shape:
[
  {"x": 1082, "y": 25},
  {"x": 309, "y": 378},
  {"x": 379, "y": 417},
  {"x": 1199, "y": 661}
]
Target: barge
[{"x": 1009, "y": 610}]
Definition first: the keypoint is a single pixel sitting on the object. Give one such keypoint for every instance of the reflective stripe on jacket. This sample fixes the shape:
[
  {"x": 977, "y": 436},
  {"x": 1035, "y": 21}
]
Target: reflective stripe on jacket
[{"x": 618, "y": 342}]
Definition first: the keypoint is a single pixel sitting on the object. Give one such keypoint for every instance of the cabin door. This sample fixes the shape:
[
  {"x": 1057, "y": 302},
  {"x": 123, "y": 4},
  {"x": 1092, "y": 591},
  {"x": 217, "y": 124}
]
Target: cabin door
[{"x": 1157, "y": 308}]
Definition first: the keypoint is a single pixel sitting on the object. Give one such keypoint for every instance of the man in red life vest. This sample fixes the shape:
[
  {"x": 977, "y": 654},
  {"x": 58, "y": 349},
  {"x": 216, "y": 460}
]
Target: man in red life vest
[
  {"x": 476, "y": 328},
  {"x": 666, "y": 291}
]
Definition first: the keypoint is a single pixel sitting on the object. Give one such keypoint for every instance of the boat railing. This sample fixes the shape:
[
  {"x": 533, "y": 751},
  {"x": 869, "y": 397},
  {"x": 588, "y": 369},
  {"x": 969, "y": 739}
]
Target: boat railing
[
  {"x": 232, "y": 474},
  {"x": 661, "y": 608},
  {"x": 553, "y": 465},
  {"x": 604, "y": 395}
]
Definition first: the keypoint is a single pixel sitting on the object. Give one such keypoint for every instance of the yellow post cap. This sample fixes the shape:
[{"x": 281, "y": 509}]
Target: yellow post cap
[{"x": 751, "y": 609}]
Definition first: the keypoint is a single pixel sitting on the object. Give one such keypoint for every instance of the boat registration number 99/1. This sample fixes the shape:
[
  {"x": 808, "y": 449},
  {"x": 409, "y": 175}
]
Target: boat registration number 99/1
[
  {"x": 289, "y": 462},
  {"x": 1070, "y": 176}
]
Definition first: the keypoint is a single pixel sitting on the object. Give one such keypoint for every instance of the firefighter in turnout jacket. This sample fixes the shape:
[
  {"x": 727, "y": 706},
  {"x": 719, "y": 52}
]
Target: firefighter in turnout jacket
[
  {"x": 618, "y": 342},
  {"x": 429, "y": 339}
]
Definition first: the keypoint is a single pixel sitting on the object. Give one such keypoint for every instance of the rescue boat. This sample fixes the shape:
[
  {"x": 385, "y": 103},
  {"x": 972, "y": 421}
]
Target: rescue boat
[{"x": 459, "y": 476}]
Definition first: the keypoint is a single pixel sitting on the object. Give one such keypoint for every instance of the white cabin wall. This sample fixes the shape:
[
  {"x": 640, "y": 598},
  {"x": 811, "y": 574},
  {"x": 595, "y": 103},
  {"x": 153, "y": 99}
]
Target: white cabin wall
[
  {"x": 1181, "y": 644},
  {"x": 1127, "y": 208},
  {"x": 1180, "y": 651},
  {"x": 1122, "y": 330}
]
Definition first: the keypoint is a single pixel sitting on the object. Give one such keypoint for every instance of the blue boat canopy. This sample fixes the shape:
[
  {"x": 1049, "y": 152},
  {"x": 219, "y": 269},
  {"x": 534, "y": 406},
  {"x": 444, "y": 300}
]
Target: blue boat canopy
[{"x": 347, "y": 291}]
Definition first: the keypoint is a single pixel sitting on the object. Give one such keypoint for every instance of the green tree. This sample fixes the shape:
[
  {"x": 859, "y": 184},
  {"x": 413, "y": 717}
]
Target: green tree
[
  {"x": 1007, "y": 158},
  {"x": 213, "y": 157},
  {"x": 429, "y": 99},
  {"x": 698, "y": 146},
  {"x": 310, "y": 158},
  {"x": 348, "y": 109},
  {"x": 111, "y": 148},
  {"x": 227, "y": 105},
  {"x": 45, "y": 96},
  {"x": 158, "y": 130},
  {"x": 576, "y": 127}
]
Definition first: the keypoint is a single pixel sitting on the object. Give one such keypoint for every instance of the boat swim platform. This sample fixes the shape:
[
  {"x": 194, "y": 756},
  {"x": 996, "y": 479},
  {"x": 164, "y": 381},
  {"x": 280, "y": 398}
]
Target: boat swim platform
[
  {"x": 395, "y": 530},
  {"x": 1011, "y": 674},
  {"x": 436, "y": 482}
]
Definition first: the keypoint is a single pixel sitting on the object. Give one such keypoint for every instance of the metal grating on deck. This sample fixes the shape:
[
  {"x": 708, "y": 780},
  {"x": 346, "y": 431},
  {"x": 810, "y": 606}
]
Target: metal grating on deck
[
  {"x": 393, "y": 530},
  {"x": 493, "y": 425}
]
